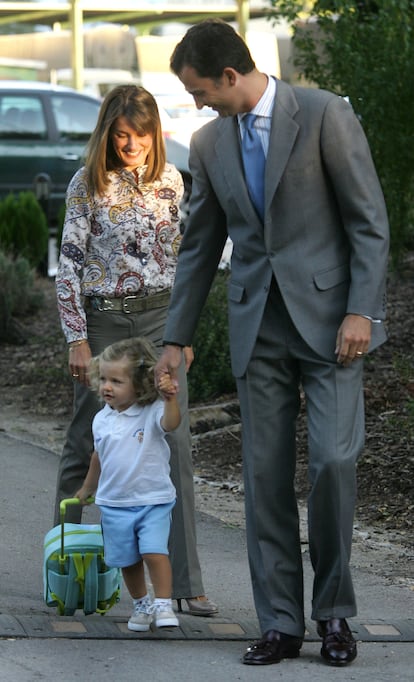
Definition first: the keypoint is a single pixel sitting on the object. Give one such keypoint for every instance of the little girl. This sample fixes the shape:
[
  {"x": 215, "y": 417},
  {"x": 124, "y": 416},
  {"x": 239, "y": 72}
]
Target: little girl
[{"x": 129, "y": 474}]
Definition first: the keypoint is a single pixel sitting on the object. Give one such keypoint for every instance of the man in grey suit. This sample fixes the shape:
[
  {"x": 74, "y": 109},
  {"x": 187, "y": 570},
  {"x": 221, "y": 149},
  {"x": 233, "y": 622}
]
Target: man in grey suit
[{"x": 306, "y": 303}]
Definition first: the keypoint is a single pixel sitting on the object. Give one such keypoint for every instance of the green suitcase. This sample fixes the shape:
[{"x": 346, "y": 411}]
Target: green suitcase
[{"x": 75, "y": 575}]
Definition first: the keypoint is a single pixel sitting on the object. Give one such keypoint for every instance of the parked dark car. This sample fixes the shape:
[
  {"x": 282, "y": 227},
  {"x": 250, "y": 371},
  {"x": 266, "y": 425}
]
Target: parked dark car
[{"x": 43, "y": 133}]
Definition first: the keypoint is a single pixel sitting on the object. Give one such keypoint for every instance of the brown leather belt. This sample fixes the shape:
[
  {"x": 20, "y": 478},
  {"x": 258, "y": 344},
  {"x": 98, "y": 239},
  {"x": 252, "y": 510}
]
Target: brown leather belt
[{"x": 128, "y": 304}]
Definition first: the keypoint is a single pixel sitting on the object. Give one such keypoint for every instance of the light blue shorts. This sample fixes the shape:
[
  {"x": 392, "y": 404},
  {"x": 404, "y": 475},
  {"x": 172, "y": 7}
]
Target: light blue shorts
[{"x": 130, "y": 532}]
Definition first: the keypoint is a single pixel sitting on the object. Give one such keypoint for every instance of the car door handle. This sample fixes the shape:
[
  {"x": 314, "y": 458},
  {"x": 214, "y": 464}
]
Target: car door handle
[{"x": 70, "y": 157}]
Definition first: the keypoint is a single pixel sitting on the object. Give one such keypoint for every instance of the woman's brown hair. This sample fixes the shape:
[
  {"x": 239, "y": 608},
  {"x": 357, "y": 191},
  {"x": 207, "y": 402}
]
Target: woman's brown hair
[{"x": 139, "y": 107}]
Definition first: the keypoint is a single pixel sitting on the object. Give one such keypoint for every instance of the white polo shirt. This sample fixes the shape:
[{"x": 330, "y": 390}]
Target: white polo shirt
[{"x": 134, "y": 457}]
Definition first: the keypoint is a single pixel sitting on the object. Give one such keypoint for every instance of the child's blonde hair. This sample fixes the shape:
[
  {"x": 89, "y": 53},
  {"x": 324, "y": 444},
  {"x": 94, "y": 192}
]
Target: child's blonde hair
[{"x": 141, "y": 355}]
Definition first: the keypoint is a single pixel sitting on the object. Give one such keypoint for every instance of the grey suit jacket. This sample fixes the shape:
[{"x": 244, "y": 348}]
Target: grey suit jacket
[{"x": 325, "y": 236}]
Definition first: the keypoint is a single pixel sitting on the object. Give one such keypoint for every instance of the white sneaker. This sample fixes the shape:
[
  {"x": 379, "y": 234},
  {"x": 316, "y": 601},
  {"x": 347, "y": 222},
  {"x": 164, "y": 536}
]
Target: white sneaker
[
  {"x": 164, "y": 616},
  {"x": 141, "y": 617}
]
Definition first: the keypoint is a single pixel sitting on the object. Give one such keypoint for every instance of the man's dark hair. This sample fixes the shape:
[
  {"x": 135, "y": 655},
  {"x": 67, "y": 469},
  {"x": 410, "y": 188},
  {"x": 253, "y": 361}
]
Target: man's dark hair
[{"x": 209, "y": 47}]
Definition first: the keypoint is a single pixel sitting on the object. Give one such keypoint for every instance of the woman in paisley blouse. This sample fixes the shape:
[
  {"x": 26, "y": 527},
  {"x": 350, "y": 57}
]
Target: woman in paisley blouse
[{"x": 116, "y": 268}]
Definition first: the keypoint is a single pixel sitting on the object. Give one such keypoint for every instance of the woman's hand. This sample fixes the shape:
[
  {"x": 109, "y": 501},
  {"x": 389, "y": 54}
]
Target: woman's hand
[{"x": 79, "y": 359}]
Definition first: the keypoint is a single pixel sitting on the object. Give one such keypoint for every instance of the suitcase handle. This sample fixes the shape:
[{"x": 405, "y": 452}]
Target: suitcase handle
[
  {"x": 72, "y": 500},
  {"x": 62, "y": 507}
]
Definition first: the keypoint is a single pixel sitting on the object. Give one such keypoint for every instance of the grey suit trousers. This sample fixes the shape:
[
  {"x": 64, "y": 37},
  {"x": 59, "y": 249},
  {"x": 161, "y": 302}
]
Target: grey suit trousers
[
  {"x": 281, "y": 365},
  {"x": 105, "y": 328}
]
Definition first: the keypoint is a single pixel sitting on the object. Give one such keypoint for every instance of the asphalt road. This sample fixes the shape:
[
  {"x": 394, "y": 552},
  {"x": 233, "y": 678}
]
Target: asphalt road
[{"x": 37, "y": 644}]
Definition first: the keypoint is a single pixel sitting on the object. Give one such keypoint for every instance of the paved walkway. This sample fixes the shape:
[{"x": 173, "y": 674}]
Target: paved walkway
[{"x": 207, "y": 647}]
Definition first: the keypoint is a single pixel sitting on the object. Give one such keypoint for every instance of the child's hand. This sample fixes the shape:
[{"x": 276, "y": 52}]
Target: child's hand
[
  {"x": 84, "y": 496},
  {"x": 166, "y": 386}
]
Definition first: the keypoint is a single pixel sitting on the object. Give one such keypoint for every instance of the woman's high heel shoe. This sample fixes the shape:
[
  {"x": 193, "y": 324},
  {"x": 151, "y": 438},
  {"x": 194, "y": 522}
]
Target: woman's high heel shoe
[{"x": 198, "y": 606}]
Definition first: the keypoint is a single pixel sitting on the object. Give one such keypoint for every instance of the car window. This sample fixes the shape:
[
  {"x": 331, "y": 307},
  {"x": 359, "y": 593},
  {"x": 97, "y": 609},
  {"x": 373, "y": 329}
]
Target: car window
[
  {"x": 75, "y": 117},
  {"x": 22, "y": 117}
]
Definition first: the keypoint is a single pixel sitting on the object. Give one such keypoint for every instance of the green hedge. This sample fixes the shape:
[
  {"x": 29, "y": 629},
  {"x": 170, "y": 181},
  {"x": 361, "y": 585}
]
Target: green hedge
[
  {"x": 210, "y": 374},
  {"x": 23, "y": 228},
  {"x": 18, "y": 296}
]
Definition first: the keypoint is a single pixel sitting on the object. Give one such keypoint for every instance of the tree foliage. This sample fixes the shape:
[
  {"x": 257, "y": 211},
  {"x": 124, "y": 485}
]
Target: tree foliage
[{"x": 364, "y": 49}]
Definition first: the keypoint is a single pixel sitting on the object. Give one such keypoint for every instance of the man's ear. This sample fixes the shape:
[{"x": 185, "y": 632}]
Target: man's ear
[{"x": 230, "y": 75}]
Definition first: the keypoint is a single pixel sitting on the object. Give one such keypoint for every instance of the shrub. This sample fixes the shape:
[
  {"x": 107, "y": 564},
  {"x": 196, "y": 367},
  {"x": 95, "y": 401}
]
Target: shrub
[
  {"x": 365, "y": 50},
  {"x": 210, "y": 374},
  {"x": 18, "y": 296},
  {"x": 23, "y": 228}
]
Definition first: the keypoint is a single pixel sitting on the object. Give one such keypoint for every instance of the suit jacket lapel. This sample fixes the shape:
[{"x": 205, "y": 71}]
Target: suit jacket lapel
[{"x": 283, "y": 134}]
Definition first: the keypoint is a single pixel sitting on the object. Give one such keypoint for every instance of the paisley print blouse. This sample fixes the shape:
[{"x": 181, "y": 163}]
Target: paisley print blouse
[{"x": 122, "y": 243}]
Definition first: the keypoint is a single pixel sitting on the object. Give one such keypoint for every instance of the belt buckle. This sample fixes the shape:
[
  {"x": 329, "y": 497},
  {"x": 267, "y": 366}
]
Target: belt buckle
[
  {"x": 97, "y": 303},
  {"x": 125, "y": 308},
  {"x": 103, "y": 304}
]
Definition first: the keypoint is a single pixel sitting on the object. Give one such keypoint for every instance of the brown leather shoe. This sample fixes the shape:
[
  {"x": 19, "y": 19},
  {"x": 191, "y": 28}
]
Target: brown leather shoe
[
  {"x": 338, "y": 646},
  {"x": 272, "y": 648}
]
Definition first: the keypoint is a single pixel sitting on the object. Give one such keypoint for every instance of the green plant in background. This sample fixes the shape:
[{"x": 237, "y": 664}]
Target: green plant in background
[
  {"x": 404, "y": 370},
  {"x": 364, "y": 49},
  {"x": 210, "y": 374},
  {"x": 18, "y": 296},
  {"x": 23, "y": 228}
]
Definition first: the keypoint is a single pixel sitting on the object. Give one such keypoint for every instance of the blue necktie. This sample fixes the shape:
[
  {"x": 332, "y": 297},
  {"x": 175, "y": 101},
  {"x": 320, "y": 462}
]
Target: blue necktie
[{"x": 254, "y": 163}]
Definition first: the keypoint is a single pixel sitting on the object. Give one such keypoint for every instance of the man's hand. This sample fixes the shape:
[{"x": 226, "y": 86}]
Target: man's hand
[
  {"x": 353, "y": 339},
  {"x": 169, "y": 363},
  {"x": 188, "y": 357}
]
